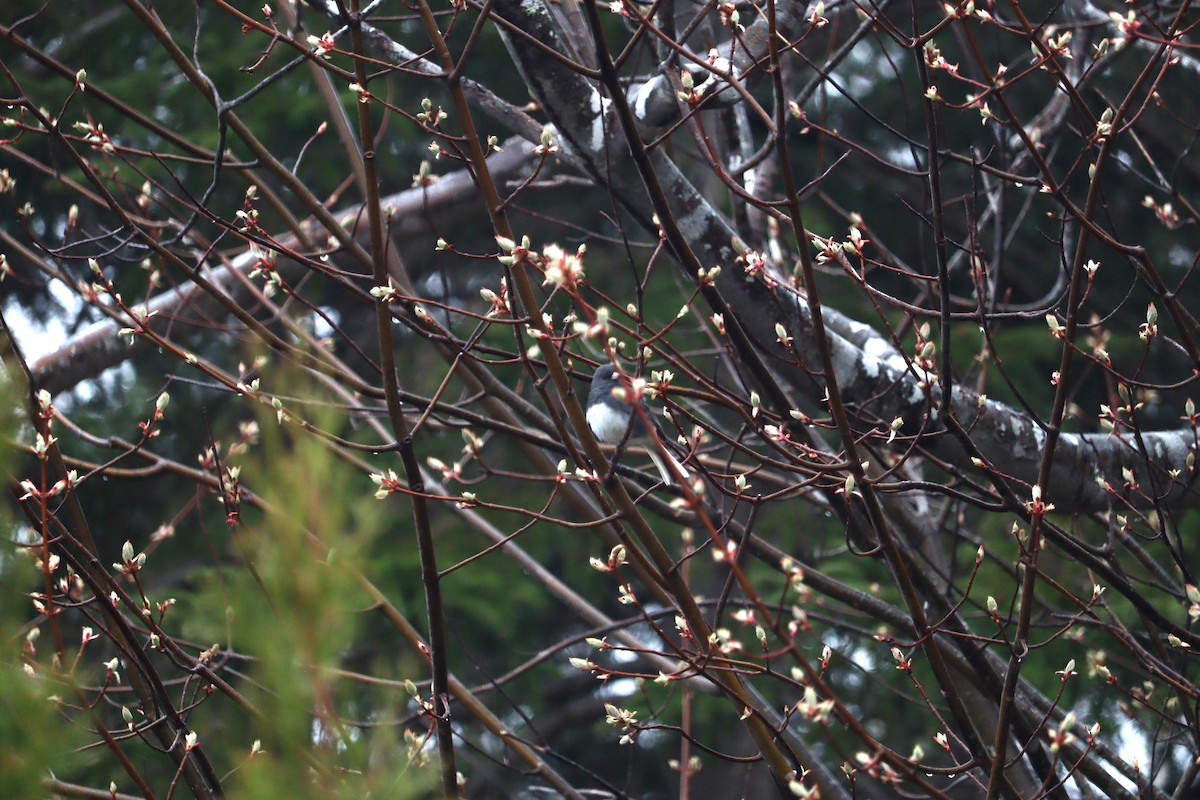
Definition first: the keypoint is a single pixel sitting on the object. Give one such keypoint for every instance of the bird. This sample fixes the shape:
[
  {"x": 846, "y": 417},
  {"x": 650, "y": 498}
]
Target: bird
[{"x": 609, "y": 416}]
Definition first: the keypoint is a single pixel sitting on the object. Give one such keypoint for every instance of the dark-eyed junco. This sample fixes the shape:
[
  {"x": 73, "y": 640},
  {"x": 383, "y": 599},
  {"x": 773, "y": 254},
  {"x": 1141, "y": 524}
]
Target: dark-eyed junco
[{"x": 609, "y": 416}]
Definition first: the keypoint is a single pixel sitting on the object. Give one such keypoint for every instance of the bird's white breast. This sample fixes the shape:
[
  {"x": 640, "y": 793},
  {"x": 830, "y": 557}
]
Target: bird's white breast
[{"x": 607, "y": 425}]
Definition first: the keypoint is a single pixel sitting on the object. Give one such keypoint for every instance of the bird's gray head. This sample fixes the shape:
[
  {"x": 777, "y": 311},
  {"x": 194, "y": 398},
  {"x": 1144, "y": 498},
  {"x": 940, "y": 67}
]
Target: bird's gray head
[{"x": 604, "y": 381}]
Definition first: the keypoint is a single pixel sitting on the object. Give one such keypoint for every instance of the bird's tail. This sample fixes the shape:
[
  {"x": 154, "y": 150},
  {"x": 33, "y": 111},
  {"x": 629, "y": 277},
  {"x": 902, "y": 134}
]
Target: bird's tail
[{"x": 667, "y": 473}]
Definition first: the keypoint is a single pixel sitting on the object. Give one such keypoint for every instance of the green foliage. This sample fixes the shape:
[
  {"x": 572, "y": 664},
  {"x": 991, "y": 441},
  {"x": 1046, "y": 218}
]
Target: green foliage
[
  {"x": 33, "y": 735},
  {"x": 294, "y": 613}
]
